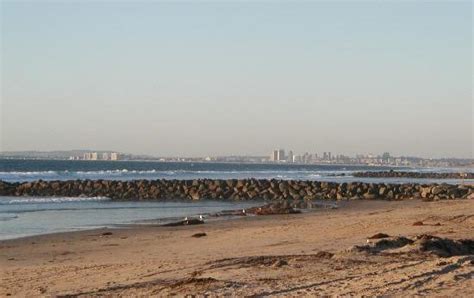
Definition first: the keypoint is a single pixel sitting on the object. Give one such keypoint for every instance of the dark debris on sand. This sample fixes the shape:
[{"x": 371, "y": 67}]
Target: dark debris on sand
[
  {"x": 442, "y": 247},
  {"x": 186, "y": 222},
  {"x": 379, "y": 236}
]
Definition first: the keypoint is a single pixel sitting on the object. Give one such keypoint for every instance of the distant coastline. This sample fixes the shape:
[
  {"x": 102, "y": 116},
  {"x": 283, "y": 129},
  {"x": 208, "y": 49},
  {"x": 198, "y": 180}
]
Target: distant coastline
[
  {"x": 277, "y": 157},
  {"x": 235, "y": 162}
]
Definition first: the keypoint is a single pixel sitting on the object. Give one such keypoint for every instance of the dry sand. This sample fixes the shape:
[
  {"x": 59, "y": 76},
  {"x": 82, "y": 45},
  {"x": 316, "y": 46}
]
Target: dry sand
[{"x": 288, "y": 255}]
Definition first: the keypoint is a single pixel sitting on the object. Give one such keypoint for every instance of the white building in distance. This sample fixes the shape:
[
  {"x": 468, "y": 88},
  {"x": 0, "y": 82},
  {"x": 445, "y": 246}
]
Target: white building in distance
[
  {"x": 278, "y": 155},
  {"x": 281, "y": 155}
]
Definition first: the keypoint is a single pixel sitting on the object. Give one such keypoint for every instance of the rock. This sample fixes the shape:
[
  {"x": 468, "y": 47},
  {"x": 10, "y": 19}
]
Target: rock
[
  {"x": 242, "y": 189},
  {"x": 425, "y": 191},
  {"x": 418, "y": 223},
  {"x": 271, "y": 209},
  {"x": 437, "y": 190},
  {"x": 390, "y": 195},
  {"x": 186, "y": 222},
  {"x": 382, "y": 245},
  {"x": 193, "y": 221},
  {"x": 369, "y": 196},
  {"x": 195, "y": 196},
  {"x": 379, "y": 236},
  {"x": 427, "y": 244},
  {"x": 397, "y": 174},
  {"x": 199, "y": 235},
  {"x": 324, "y": 254},
  {"x": 444, "y": 247},
  {"x": 279, "y": 263}
]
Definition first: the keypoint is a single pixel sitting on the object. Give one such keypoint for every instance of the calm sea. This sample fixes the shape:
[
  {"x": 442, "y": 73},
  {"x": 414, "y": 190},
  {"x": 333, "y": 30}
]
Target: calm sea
[{"x": 21, "y": 217}]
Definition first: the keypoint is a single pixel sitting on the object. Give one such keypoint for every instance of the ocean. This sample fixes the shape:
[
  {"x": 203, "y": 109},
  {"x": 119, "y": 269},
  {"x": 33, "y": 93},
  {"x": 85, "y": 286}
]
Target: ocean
[
  {"x": 20, "y": 217},
  {"x": 28, "y": 216},
  {"x": 29, "y": 170}
]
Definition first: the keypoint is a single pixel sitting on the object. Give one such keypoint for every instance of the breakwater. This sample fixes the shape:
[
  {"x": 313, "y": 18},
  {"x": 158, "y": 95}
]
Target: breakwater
[
  {"x": 241, "y": 189},
  {"x": 422, "y": 175}
]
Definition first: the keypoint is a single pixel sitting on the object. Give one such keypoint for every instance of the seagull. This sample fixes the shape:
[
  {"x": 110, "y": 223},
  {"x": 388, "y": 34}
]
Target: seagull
[
  {"x": 186, "y": 218},
  {"x": 201, "y": 218},
  {"x": 243, "y": 211}
]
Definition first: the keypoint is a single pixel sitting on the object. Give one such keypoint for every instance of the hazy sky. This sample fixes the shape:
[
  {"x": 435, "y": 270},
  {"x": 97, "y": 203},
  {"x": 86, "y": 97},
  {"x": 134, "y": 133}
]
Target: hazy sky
[{"x": 203, "y": 78}]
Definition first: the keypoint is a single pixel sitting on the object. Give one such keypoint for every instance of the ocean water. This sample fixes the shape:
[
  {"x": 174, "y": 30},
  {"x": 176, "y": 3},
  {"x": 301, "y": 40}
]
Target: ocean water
[
  {"x": 21, "y": 217},
  {"x": 27, "y": 216},
  {"x": 29, "y": 170}
]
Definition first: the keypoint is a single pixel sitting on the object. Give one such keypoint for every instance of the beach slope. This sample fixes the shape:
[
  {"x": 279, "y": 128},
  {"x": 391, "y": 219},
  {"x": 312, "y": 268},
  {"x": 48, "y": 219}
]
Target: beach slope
[{"x": 326, "y": 252}]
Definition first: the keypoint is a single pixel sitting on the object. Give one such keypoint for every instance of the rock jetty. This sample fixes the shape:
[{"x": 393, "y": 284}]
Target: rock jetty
[
  {"x": 397, "y": 174},
  {"x": 241, "y": 189}
]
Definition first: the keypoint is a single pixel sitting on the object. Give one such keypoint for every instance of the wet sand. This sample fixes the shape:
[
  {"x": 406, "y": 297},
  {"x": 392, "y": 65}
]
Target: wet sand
[{"x": 288, "y": 255}]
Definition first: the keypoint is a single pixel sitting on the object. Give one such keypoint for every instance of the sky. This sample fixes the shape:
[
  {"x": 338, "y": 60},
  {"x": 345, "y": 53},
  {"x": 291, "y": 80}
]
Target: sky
[{"x": 238, "y": 77}]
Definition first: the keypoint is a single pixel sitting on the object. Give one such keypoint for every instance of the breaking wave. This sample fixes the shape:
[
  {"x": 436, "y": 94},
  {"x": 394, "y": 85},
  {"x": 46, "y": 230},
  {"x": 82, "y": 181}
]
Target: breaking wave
[
  {"x": 170, "y": 172},
  {"x": 48, "y": 200}
]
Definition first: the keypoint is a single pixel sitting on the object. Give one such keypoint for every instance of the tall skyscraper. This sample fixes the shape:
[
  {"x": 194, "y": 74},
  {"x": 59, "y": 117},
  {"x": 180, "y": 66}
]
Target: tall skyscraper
[
  {"x": 274, "y": 155},
  {"x": 281, "y": 155}
]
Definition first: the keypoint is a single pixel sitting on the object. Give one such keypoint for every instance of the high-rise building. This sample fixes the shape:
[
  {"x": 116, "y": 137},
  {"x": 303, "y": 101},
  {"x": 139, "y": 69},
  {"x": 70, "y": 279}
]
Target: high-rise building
[
  {"x": 281, "y": 155},
  {"x": 94, "y": 156},
  {"x": 325, "y": 156},
  {"x": 305, "y": 158},
  {"x": 296, "y": 158},
  {"x": 114, "y": 156},
  {"x": 274, "y": 155},
  {"x": 289, "y": 158},
  {"x": 105, "y": 156}
]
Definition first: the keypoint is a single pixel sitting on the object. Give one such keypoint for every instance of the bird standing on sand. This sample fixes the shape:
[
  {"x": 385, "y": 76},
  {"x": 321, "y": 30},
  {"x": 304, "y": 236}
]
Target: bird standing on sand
[{"x": 201, "y": 218}]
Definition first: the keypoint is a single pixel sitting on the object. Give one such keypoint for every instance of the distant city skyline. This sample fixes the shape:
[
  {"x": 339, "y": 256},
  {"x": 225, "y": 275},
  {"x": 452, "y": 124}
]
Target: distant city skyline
[
  {"x": 215, "y": 79},
  {"x": 277, "y": 156}
]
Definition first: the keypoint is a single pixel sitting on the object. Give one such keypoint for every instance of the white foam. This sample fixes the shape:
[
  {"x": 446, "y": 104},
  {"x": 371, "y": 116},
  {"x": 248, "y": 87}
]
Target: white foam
[
  {"x": 32, "y": 173},
  {"x": 36, "y": 200}
]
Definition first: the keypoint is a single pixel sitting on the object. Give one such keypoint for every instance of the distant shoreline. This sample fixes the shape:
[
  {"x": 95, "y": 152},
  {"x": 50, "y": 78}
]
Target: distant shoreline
[
  {"x": 218, "y": 162},
  {"x": 242, "y": 162}
]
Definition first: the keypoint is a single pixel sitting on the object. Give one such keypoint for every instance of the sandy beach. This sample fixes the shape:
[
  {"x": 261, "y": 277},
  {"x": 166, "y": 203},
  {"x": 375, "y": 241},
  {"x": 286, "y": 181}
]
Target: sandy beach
[{"x": 289, "y": 255}]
